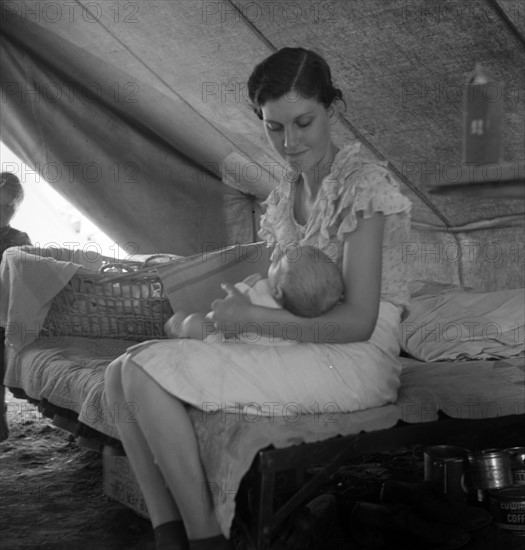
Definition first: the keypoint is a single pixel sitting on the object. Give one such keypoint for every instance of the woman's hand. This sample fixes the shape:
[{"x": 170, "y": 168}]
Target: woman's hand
[{"x": 230, "y": 313}]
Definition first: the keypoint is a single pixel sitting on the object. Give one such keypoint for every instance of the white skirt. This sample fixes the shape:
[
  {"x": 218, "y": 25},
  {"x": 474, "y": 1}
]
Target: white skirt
[{"x": 275, "y": 380}]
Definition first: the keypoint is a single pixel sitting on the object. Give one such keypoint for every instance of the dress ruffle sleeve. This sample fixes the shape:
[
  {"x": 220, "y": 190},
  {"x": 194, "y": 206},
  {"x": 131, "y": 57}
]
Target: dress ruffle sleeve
[
  {"x": 269, "y": 218},
  {"x": 368, "y": 189}
]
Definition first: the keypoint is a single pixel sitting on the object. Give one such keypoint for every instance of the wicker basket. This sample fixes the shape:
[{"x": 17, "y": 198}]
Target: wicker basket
[{"x": 124, "y": 301}]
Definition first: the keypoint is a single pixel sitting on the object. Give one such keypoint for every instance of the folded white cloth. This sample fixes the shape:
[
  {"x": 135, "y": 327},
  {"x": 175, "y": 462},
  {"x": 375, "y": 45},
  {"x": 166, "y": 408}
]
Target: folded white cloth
[
  {"x": 28, "y": 284},
  {"x": 258, "y": 290}
]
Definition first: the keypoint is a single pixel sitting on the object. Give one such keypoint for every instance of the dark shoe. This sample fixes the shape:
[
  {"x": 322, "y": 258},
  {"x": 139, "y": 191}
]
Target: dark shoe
[
  {"x": 434, "y": 506},
  {"x": 379, "y": 525}
]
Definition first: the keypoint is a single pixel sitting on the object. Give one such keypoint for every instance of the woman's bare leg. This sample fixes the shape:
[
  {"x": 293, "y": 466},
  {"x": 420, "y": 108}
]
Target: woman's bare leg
[
  {"x": 161, "y": 506},
  {"x": 169, "y": 432}
]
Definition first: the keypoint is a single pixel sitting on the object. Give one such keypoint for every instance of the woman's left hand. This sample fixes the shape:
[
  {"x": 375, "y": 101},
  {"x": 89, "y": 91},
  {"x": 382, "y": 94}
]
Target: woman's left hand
[{"x": 230, "y": 312}]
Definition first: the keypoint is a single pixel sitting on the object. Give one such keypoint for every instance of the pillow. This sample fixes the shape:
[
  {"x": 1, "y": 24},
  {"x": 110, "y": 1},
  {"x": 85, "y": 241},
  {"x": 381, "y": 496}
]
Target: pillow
[{"x": 454, "y": 323}]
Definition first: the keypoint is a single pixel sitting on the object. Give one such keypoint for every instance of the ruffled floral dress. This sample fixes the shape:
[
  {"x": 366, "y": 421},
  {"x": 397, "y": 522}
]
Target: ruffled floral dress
[
  {"x": 264, "y": 379},
  {"x": 354, "y": 184}
]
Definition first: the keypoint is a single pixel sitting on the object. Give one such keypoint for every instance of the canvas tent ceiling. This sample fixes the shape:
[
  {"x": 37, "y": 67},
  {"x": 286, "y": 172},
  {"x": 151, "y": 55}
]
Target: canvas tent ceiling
[{"x": 136, "y": 112}]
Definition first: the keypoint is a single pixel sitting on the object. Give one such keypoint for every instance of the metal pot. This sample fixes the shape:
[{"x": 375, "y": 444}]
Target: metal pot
[{"x": 490, "y": 469}]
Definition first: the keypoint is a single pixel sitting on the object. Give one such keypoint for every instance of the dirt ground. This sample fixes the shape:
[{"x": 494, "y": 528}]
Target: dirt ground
[{"x": 51, "y": 494}]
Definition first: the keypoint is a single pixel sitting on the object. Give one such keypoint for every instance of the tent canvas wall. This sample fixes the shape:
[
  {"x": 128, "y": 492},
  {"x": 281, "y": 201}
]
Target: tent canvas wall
[{"x": 136, "y": 112}]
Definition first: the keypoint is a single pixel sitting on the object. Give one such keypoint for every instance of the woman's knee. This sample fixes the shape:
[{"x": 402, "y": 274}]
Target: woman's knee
[
  {"x": 120, "y": 376},
  {"x": 113, "y": 380},
  {"x": 135, "y": 382}
]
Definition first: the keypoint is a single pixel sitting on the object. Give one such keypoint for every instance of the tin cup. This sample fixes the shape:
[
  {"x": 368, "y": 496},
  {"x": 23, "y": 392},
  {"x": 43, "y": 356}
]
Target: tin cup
[
  {"x": 489, "y": 469},
  {"x": 517, "y": 463},
  {"x": 445, "y": 469}
]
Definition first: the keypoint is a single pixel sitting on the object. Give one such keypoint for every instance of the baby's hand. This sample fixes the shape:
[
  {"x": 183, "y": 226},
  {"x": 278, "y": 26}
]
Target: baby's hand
[{"x": 173, "y": 326}]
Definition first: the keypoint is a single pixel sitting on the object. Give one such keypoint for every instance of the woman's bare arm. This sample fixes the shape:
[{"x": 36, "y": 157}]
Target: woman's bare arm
[{"x": 351, "y": 321}]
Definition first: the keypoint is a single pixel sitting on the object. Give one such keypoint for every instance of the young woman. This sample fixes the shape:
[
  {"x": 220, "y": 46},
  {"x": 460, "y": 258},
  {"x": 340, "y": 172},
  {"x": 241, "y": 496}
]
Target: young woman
[{"x": 330, "y": 198}]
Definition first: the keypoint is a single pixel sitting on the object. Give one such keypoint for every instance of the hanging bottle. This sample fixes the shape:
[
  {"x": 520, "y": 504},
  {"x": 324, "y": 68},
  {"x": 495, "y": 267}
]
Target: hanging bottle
[{"x": 483, "y": 105}]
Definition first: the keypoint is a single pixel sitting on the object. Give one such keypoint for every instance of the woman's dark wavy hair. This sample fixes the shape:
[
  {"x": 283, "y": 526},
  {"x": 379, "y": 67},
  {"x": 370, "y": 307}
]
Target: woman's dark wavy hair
[{"x": 292, "y": 70}]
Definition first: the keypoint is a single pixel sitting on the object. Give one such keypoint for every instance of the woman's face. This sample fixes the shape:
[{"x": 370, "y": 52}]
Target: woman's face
[{"x": 299, "y": 129}]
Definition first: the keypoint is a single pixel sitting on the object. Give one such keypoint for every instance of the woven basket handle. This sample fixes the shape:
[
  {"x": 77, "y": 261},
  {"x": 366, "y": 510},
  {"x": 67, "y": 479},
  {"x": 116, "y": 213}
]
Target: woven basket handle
[
  {"x": 156, "y": 259},
  {"x": 120, "y": 267}
]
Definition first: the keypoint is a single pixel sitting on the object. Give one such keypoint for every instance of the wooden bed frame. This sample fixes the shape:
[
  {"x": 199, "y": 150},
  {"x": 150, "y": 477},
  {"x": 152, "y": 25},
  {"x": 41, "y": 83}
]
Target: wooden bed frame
[
  {"x": 275, "y": 486},
  {"x": 269, "y": 510}
]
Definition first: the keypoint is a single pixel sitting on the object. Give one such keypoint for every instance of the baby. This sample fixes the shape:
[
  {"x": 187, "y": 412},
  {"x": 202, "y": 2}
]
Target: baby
[{"x": 307, "y": 283}]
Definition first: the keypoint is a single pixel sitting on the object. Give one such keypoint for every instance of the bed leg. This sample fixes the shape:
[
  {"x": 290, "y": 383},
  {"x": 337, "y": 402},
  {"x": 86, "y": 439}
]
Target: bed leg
[{"x": 264, "y": 510}]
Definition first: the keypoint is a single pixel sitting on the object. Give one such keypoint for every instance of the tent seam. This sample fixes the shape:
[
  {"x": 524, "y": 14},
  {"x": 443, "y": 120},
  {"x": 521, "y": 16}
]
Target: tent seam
[
  {"x": 502, "y": 14},
  {"x": 512, "y": 220},
  {"x": 252, "y": 27}
]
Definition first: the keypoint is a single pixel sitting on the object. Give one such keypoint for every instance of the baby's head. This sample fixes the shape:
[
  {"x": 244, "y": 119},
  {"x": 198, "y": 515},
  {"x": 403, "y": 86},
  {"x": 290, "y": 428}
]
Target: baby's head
[
  {"x": 305, "y": 281},
  {"x": 11, "y": 195}
]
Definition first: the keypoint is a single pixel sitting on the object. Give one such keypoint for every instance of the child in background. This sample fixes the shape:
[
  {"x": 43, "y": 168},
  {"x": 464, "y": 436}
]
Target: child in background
[
  {"x": 11, "y": 196},
  {"x": 306, "y": 282}
]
